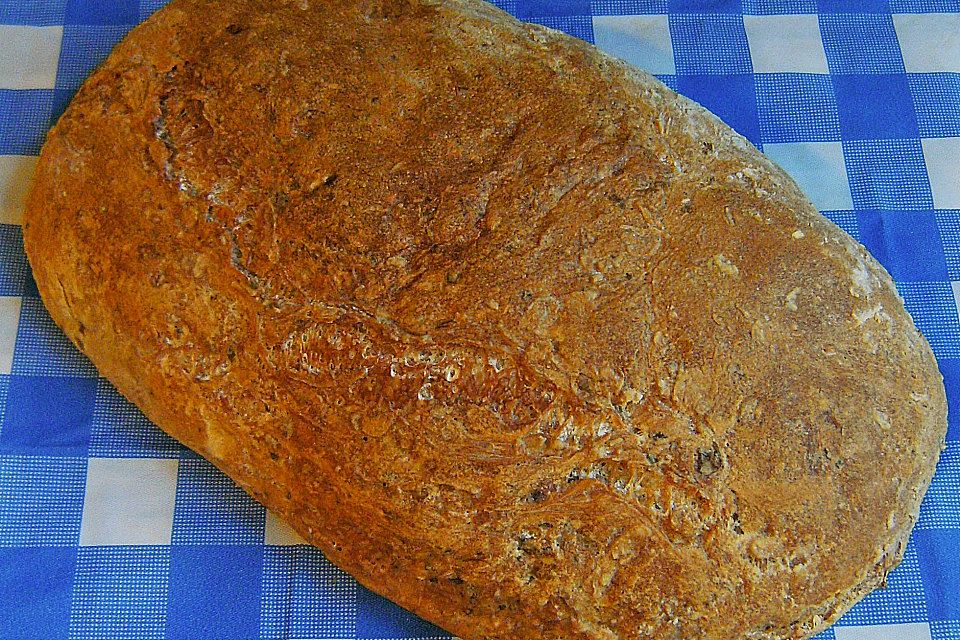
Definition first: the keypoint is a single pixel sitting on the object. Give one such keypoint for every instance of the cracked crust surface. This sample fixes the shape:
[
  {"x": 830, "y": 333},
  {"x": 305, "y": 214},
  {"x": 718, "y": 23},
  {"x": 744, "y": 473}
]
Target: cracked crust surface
[{"x": 517, "y": 336}]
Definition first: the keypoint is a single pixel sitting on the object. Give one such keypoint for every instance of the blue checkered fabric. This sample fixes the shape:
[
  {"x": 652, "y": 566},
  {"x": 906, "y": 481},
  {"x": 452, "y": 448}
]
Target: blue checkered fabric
[{"x": 110, "y": 529}]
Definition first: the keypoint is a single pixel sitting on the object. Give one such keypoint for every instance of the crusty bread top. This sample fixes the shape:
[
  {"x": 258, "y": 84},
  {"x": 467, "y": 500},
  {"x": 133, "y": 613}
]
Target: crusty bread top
[{"x": 519, "y": 337}]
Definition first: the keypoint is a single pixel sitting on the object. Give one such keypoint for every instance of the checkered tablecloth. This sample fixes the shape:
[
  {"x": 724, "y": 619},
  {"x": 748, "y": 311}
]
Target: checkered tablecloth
[{"x": 109, "y": 529}]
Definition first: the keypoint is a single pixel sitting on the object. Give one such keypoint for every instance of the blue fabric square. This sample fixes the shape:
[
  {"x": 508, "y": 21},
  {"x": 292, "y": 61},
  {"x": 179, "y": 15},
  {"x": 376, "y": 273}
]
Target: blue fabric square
[
  {"x": 576, "y": 26},
  {"x": 13, "y": 261},
  {"x": 82, "y": 49},
  {"x": 48, "y": 415},
  {"x": 41, "y": 501},
  {"x": 526, "y": 9},
  {"x": 936, "y": 101},
  {"x": 852, "y": 6},
  {"x": 29, "y": 284},
  {"x": 705, "y": 6},
  {"x": 846, "y": 220},
  {"x": 901, "y": 602},
  {"x": 377, "y": 617},
  {"x": 875, "y": 107},
  {"x": 36, "y": 13},
  {"x": 120, "y": 592},
  {"x": 945, "y": 629},
  {"x": 950, "y": 368},
  {"x": 668, "y": 79},
  {"x": 797, "y": 107},
  {"x": 948, "y": 220},
  {"x": 214, "y": 593},
  {"x": 907, "y": 243},
  {"x": 778, "y": 7},
  {"x": 24, "y": 120},
  {"x": 934, "y": 311},
  {"x": 710, "y": 44},
  {"x": 940, "y": 508},
  {"x": 627, "y": 7},
  {"x": 861, "y": 43},
  {"x": 887, "y": 174},
  {"x": 305, "y": 596},
  {"x": 212, "y": 509},
  {"x": 732, "y": 98},
  {"x": 102, "y": 12},
  {"x": 35, "y": 592},
  {"x": 120, "y": 430},
  {"x": 148, "y": 7},
  {"x": 60, "y": 102},
  {"x": 4, "y": 388},
  {"x": 43, "y": 349},
  {"x": 924, "y": 6},
  {"x": 939, "y": 553}
]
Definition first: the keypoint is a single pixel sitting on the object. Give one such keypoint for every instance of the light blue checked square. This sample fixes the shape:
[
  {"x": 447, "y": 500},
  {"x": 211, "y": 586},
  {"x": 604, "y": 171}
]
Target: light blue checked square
[
  {"x": 13, "y": 261},
  {"x": 380, "y": 619},
  {"x": 4, "y": 389},
  {"x": 577, "y": 26},
  {"x": 148, "y": 7},
  {"x": 902, "y": 601},
  {"x": 945, "y": 629},
  {"x": 627, "y": 7},
  {"x": 778, "y": 7},
  {"x": 887, "y": 174},
  {"x": 936, "y": 97},
  {"x": 120, "y": 430},
  {"x": 925, "y": 6},
  {"x": 24, "y": 119},
  {"x": 305, "y": 596},
  {"x": 82, "y": 50},
  {"x": 43, "y": 350},
  {"x": 510, "y": 6},
  {"x": 120, "y": 592},
  {"x": 948, "y": 222},
  {"x": 36, "y": 13},
  {"x": 934, "y": 311},
  {"x": 941, "y": 506},
  {"x": 845, "y": 219},
  {"x": 211, "y": 509},
  {"x": 41, "y": 500},
  {"x": 710, "y": 44},
  {"x": 797, "y": 107},
  {"x": 844, "y": 35}
]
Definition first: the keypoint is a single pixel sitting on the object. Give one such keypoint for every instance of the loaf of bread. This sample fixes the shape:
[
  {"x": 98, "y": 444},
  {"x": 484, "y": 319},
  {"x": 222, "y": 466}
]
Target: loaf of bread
[{"x": 517, "y": 336}]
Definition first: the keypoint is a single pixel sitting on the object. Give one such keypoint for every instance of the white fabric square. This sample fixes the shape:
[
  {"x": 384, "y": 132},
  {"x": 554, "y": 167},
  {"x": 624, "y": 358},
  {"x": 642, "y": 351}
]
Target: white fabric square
[
  {"x": 15, "y": 175},
  {"x": 129, "y": 501},
  {"x": 908, "y": 631},
  {"x": 956, "y": 295},
  {"x": 819, "y": 169},
  {"x": 942, "y": 157},
  {"x": 279, "y": 533},
  {"x": 785, "y": 44},
  {"x": 643, "y": 41},
  {"x": 30, "y": 56},
  {"x": 9, "y": 321},
  {"x": 929, "y": 42}
]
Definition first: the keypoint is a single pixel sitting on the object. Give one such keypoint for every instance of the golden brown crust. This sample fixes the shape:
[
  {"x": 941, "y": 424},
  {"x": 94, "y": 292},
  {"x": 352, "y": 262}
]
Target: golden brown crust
[{"x": 519, "y": 337}]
